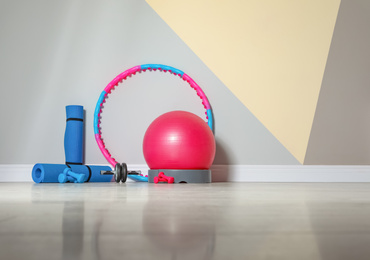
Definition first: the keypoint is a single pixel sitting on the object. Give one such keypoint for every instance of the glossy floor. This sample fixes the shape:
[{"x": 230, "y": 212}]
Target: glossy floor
[{"x": 185, "y": 221}]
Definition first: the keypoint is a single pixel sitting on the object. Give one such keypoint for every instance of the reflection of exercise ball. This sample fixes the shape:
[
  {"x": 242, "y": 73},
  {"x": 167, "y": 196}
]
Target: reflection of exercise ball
[
  {"x": 179, "y": 140},
  {"x": 173, "y": 228}
]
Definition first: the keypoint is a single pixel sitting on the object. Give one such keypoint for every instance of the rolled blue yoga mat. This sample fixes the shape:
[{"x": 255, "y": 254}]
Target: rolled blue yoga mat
[
  {"x": 74, "y": 134},
  {"x": 43, "y": 172}
]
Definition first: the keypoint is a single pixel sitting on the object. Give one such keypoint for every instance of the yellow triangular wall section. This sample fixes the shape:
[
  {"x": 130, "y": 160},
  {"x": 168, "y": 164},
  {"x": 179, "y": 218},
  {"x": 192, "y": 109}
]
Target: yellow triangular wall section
[{"x": 270, "y": 54}]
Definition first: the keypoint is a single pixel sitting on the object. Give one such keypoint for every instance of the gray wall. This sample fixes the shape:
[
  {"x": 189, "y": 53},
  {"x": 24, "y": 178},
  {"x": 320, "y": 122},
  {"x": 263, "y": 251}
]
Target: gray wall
[
  {"x": 57, "y": 53},
  {"x": 341, "y": 129}
]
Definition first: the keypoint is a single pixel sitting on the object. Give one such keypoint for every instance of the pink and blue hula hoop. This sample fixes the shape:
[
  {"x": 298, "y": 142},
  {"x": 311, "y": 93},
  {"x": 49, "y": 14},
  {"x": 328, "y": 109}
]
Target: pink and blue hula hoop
[{"x": 133, "y": 71}]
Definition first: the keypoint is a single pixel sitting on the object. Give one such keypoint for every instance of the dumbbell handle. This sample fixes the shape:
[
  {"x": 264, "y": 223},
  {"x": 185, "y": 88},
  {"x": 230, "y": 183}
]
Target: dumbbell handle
[{"x": 112, "y": 172}]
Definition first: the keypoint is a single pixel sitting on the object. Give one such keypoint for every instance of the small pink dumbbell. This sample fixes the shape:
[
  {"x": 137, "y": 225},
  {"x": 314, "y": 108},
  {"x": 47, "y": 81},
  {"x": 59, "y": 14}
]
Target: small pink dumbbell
[
  {"x": 163, "y": 177},
  {"x": 156, "y": 179}
]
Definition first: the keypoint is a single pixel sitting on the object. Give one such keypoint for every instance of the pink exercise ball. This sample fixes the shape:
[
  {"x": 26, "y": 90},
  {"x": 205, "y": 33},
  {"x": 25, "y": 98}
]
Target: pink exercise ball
[{"x": 179, "y": 140}]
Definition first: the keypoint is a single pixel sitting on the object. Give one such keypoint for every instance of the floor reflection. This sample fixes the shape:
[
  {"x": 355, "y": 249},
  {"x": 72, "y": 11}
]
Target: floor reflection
[
  {"x": 181, "y": 232},
  {"x": 73, "y": 230},
  {"x": 216, "y": 221},
  {"x": 116, "y": 227}
]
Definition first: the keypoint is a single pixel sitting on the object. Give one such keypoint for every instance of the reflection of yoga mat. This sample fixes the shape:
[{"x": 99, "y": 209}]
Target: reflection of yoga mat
[{"x": 49, "y": 172}]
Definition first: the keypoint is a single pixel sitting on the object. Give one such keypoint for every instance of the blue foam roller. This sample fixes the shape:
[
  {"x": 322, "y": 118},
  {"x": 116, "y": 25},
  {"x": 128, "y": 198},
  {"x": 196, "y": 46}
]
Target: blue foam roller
[
  {"x": 74, "y": 135},
  {"x": 48, "y": 173}
]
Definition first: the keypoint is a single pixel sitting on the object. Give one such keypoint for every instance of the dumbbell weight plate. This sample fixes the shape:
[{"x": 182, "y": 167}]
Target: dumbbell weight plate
[
  {"x": 124, "y": 172},
  {"x": 118, "y": 172}
]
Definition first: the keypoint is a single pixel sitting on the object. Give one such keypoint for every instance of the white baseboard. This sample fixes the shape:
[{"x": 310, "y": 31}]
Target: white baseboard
[
  {"x": 16, "y": 172},
  {"x": 239, "y": 173},
  {"x": 291, "y": 173}
]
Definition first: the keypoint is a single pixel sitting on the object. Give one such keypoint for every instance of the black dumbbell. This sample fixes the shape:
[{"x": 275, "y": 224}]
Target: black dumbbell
[{"x": 120, "y": 172}]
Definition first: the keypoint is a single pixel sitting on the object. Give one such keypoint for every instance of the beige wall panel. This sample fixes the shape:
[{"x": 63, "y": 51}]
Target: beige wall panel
[{"x": 270, "y": 54}]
